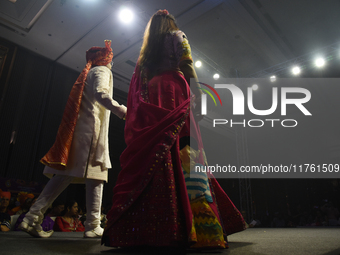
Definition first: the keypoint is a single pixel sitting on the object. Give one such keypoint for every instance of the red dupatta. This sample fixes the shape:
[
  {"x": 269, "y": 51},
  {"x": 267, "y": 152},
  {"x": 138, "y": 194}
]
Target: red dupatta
[
  {"x": 150, "y": 133},
  {"x": 57, "y": 156}
]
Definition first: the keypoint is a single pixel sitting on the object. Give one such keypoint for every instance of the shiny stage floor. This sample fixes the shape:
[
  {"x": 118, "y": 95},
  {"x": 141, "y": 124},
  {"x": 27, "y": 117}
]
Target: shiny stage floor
[{"x": 269, "y": 241}]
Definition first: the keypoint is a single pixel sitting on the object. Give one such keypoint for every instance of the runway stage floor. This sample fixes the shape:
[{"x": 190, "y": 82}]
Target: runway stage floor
[{"x": 271, "y": 241}]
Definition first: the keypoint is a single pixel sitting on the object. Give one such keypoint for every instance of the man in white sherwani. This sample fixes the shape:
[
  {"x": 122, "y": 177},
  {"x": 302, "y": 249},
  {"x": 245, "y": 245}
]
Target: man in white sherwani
[{"x": 86, "y": 158}]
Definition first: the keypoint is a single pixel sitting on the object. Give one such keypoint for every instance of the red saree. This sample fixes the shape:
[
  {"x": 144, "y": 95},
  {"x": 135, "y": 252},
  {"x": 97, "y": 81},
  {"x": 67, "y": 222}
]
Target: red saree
[{"x": 150, "y": 199}]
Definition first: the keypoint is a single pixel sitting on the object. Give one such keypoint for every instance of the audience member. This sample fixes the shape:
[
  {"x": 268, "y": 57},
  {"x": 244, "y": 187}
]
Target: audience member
[
  {"x": 69, "y": 222},
  {"x": 25, "y": 202},
  {"x": 5, "y": 218},
  {"x": 58, "y": 207}
]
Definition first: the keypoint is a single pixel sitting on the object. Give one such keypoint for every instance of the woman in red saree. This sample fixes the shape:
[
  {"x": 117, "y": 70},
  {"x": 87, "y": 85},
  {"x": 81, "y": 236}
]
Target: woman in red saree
[{"x": 155, "y": 201}]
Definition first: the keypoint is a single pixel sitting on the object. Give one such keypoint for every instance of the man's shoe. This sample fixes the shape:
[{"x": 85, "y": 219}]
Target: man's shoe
[
  {"x": 35, "y": 232},
  {"x": 95, "y": 233},
  {"x": 40, "y": 233},
  {"x": 24, "y": 226}
]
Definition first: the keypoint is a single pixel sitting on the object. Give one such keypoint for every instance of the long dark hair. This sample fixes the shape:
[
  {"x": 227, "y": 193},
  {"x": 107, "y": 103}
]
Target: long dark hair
[
  {"x": 159, "y": 25},
  {"x": 68, "y": 205}
]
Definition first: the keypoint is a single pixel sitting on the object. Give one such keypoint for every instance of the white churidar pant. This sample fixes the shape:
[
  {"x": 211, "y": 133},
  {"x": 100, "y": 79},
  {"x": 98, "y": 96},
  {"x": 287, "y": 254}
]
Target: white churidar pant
[{"x": 56, "y": 185}]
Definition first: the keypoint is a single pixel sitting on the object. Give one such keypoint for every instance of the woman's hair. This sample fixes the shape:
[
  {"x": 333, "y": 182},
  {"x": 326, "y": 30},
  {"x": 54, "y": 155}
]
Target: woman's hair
[
  {"x": 68, "y": 205},
  {"x": 158, "y": 26}
]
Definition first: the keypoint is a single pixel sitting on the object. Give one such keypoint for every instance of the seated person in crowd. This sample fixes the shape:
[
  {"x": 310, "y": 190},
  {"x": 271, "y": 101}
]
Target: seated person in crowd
[
  {"x": 58, "y": 207},
  {"x": 5, "y": 218},
  {"x": 25, "y": 202},
  {"x": 69, "y": 222},
  {"x": 46, "y": 225}
]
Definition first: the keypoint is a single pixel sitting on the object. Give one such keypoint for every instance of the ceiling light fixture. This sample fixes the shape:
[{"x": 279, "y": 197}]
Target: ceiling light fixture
[
  {"x": 126, "y": 15},
  {"x": 216, "y": 76},
  {"x": 296, "y": 70},
  {"x": 198, "y": 63},
  {"x": 319, "y": 62}
]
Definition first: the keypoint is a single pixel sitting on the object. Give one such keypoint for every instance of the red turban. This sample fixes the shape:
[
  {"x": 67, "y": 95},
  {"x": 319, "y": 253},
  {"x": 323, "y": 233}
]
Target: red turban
[
  {"x": 100, "y": 56},
  {"x": 22, "y": 197},
  {"x": 6, "y": 194}
]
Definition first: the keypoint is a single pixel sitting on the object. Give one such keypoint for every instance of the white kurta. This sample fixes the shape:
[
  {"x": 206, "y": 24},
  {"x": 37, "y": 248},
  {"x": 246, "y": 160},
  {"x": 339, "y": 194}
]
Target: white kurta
[{"x": 89, "y": 154}]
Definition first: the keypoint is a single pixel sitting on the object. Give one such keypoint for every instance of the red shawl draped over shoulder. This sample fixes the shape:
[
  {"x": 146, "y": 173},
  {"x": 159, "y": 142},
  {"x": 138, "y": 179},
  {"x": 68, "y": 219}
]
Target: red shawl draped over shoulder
[{"x": 152, "y": 138}]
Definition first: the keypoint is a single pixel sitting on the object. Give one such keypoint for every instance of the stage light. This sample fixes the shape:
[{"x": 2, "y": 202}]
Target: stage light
[
  {"x": 272, "y": 78},
  {"x": 216, "y": 76},
  {"x": 198, "y": 63},
  {"x": 296, "y": 70},
  {"x": 255, "y": 87},
  {"x": 126, "y": 15},
  {"x": 319, "y": 62}
]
